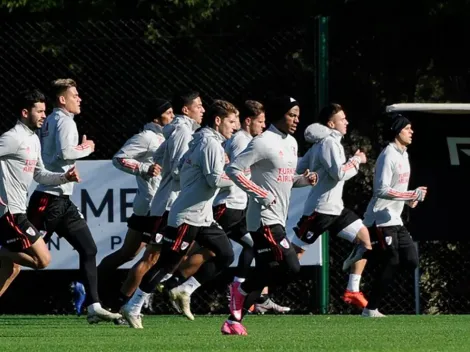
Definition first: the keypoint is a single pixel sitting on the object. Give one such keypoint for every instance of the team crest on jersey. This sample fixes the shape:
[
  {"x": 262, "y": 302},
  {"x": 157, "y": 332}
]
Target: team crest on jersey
[
  {"x": 158, "y": 238},
  {"x": 388, "y": 240},
  {"x": 285, "y": 243},
  {"x": 184, "y": 245},
  {"x": 281, "y": 154}
]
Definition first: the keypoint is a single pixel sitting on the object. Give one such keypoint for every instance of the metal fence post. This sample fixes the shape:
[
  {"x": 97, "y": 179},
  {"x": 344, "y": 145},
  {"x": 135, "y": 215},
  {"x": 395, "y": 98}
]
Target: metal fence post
[
  {"x": 322, "y": 99},
  {"x": 416, "y": 284}
]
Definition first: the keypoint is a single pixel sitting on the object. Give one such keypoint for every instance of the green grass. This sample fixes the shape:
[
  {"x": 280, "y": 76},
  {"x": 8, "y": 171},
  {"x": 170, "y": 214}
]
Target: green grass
[{"x": 266, "y": 333}]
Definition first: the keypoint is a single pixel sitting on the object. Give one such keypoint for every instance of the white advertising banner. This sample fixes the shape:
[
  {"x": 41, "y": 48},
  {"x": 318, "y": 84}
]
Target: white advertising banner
[{"x": 105, "y": 198}]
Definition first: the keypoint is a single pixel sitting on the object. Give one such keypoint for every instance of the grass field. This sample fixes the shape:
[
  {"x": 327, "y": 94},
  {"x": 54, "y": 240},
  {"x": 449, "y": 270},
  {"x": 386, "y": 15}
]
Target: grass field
[{"x": 266, "y": 333}]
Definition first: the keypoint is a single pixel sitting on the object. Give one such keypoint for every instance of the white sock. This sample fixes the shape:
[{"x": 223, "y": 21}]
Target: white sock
[
  {"x": 137, "y": 301},
  {"x": 238, "y": 279},
  {"x": 92, "y": 307},
  {"x": 353, "y": 283},
  {"x": 190, "y": 285},
  {"x": 166, "y": 277}
]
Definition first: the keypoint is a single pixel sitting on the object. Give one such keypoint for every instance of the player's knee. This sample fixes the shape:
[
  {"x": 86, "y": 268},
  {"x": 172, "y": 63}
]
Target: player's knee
[
  {"x": 247, "y": 241},
  {"x": 225, "y": 258},
  {"x": 90, "y": 250},
  {"x": 16, "y": 269},
  {"x": 43, "y": 260},
  {"x": 295, "y": 267},
  {"x": 127, "y": 255},
  {"x": 293, "y": 264}
]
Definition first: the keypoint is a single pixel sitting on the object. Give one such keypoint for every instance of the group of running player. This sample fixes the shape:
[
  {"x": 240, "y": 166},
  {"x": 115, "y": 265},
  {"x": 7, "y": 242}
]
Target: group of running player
[{"x": 203, "y": 178}]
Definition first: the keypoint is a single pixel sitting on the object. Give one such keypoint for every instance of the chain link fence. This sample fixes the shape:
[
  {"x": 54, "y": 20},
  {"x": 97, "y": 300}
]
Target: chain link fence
[{"x": 119, "y": 64}]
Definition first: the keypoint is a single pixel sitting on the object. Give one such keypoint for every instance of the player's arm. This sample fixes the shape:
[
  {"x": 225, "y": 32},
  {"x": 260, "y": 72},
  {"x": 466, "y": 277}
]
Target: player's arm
[
  {"x": 159, "y": 153},
  {"x": 45, "y": 177},
  {"x": 254, "y": 152},
  {"x": 234, "y": 148},
  {"x": 212, "y": 165},
  {"x": 383, "y": 179},
  {"x": 66, "y": 141},
  {"x": 126, "y": 159},
  {"x": 177, "y": 146},
  {"x": 304, "y": 162},
  {"x": 8, "y": 144},
  {"x": 308, "y": 178},
  {"x": 331, "y": 159}
]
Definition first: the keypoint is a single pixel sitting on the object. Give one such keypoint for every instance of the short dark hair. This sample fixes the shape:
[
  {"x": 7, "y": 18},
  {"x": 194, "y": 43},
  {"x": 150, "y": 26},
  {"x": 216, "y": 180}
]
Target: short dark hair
[
  {"x": 220, "y": 108},
  {"x": 328, "y": 112},
  {"x": 250, "y": 108},
  {"x": 182, "y": 99},
  {"x": 28, "y": 98}
]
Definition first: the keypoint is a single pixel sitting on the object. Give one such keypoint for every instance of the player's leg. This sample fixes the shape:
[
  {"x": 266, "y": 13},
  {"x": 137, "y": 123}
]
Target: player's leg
[
  {"x": 234, "y": 224},
  {"x": 74, "y": 229},
  {"x": 22, "y": 243},
  {"x": 308, "y": 229},
  {"x": 214, "y": 239},
  {"x": 362, "y": 245},
  {"x": 156, "y": 225},
  {"x": 139, "y": 269},
  {"x": 133, "y": 243},
  {"x": 175, "y": 244},
  {"x": 192, "y": 262},
  {"x": 36, "y": 257},
  {"x": 276, "y": 264},
  {"x": 407, "y": 249},
  {"x": 348, "y": 226},
  {"x": 198, "y": 255},
  {"x": 265, "y": 304},
  {"x": 388, "y": 255},
  {"x": 8, "y": 272},
  {"x": 81, "y": 239},
  {"x": 401, "y": 252},
  {"x": 239, "y": 234}
]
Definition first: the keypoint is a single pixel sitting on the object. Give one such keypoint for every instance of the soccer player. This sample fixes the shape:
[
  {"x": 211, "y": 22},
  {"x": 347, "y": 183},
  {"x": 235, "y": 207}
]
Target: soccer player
[
  {"x": 231, "y": 203},
  {"x": 395, "y": 246},
  {"x": 136, "y": 158},
  {"x": 191, "y": 218},
  {"x": 272, "y": 158},
  {"x": 324, "y": 209},
  {"x": 229, "y": 212},
  {"x": 50, "y": 207},
  {"x": 189, "y": 112},
  {"x": 20, "y": 163}
]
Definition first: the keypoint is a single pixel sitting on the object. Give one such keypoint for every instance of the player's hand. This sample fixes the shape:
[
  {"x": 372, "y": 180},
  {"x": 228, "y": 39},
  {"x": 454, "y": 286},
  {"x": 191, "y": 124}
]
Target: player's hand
[
  {"x": 72, "y": 175},
  {"x": 312, "y": 177},
  {"x": 88, "y": 142},
  {"x": 227, "y": 160},
  {"x": 361, "y": 156},
  {"x": 154, "y": 170},
  {"x": 412, "y": 203},
  {"x": 421, "y": 193}
]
